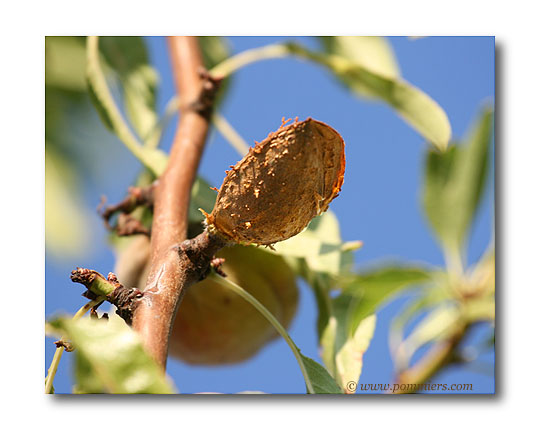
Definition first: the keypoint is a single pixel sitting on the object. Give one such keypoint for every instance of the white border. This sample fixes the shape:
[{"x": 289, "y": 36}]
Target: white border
[{"x": 23, "y": 26}]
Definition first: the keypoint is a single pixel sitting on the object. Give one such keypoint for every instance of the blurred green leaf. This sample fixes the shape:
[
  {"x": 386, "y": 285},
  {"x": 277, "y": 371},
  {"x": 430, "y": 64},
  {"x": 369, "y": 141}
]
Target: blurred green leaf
[
  {"x": 105, "y": 104},
  {"x": 482, "y": 276},
  {"x": 342, "y": 350},
  {"x": 321, "y": 284},
  {"x": 416, "y": 107},
  {"x": 214, "y": 50},
  {"x": 319, "y": 255},
  {"x": 455, "y": 181},
  {"x": 321, "y": 246},
  {"x": 434, "y": 326},
  {"x": 374, "y": 287},
  {"x": 372, "y": 52},
  {"x": 350, "y": 357},
  {"x": 428, "y": 298},
  {"x": 480, "y": 309},
  {"x": 438, "y": 324},
  {"x": 66, "y": 222},
  {"x": 320, "y": 379},
  {"x": 127, "y": 56},
  {"x": 202, "y": 197},
  {"x": 110, "y": 358},
  {"x": 65, "y": 63}
]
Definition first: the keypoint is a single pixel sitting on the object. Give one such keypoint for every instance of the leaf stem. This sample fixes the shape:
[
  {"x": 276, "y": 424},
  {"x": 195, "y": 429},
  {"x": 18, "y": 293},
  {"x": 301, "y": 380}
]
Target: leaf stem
[
  {"x": 229, "y": 133},
  {"x": 272, "y": 320},
  {"x": 453, "y": 260},
  {"x": 236, "y": 62},
  {"x": 51, "y": 373}
]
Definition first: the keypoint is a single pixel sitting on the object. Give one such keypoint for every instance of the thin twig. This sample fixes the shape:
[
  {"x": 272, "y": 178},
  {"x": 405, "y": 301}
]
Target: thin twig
[{"x": 51, "y": 373}]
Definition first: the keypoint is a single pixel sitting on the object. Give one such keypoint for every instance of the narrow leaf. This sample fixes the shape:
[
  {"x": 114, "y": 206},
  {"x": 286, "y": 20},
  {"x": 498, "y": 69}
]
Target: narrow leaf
[
  {"x": 110, "y": 113},
  {"x": 342, "y": 350},
  {"x": 412, "y": 104},
  {"x": 372, "y": 52},
  {"x": 350, "y": 357},
  {"x": 375, "y": 287},
  {"x": 110, "y": 358},
  {"x": 428, "y": 298},
  {"x": 455, "y": 181},
  {"x": 127, "y": 56},
  {"x": 437, "y": 324}
]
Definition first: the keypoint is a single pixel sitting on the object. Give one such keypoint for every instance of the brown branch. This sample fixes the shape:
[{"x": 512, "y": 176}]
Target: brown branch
[
  {"x": 176, "y": 264},
  {"x": 125, "y": 299},
  {"x": 137, "y": 197},
  {"x": 436, "y": 359}
]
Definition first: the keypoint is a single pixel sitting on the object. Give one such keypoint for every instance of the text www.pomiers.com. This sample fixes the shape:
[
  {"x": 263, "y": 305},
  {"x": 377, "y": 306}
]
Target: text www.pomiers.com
[{"x": 395, "y": 388}]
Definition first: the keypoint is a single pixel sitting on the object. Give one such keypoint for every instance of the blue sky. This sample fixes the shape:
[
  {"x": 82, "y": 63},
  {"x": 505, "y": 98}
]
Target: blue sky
[{"x": 379, "y": 203}]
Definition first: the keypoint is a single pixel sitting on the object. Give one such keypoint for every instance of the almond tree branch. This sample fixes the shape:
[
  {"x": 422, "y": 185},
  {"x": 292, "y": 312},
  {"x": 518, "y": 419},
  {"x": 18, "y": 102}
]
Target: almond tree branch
[
  {"x": 440, "y": 355},
  {"x": 176, "y": 265}
]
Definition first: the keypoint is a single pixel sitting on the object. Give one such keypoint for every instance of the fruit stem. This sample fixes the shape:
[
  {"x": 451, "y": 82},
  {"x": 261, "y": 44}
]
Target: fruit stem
[{"x": 272, "y": 320}]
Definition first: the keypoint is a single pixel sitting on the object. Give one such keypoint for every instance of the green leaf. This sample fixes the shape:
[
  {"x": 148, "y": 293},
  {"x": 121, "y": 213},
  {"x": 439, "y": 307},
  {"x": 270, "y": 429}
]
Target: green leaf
[
  {"x": 455, "y": 181},
  {"x": 128, "y": 58},
  {"x": 202, "y": 197},
  {"x": 372, "y": 52},
  {"x": 66, "y": 222},
  {"x": 319, "y": 255},
  {"x": 321, "y": 380},
  {"x": 349, "y": 358},
  {"x": 215, "y": 49},
  {"x": 327, "y": 340},
  {"x": 375, "y": 287},
  {"x": 428, "y": 298},
  {"x": 438, "y": 324},
  {"x": 342, "y": 350},
  {"x": 321, "y": 246},
  {"x": 110, "y": 358},
  {"x": 321, "y": 284},
  {"x": 412, "y": 104},
  {"x": 109, "y": 112},
  {"x": 64, "y": 63}
]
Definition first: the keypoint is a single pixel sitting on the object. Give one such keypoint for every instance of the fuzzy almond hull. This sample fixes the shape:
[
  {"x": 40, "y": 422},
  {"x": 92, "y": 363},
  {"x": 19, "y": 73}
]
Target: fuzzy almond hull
[{"x": 281, "y": 184}]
